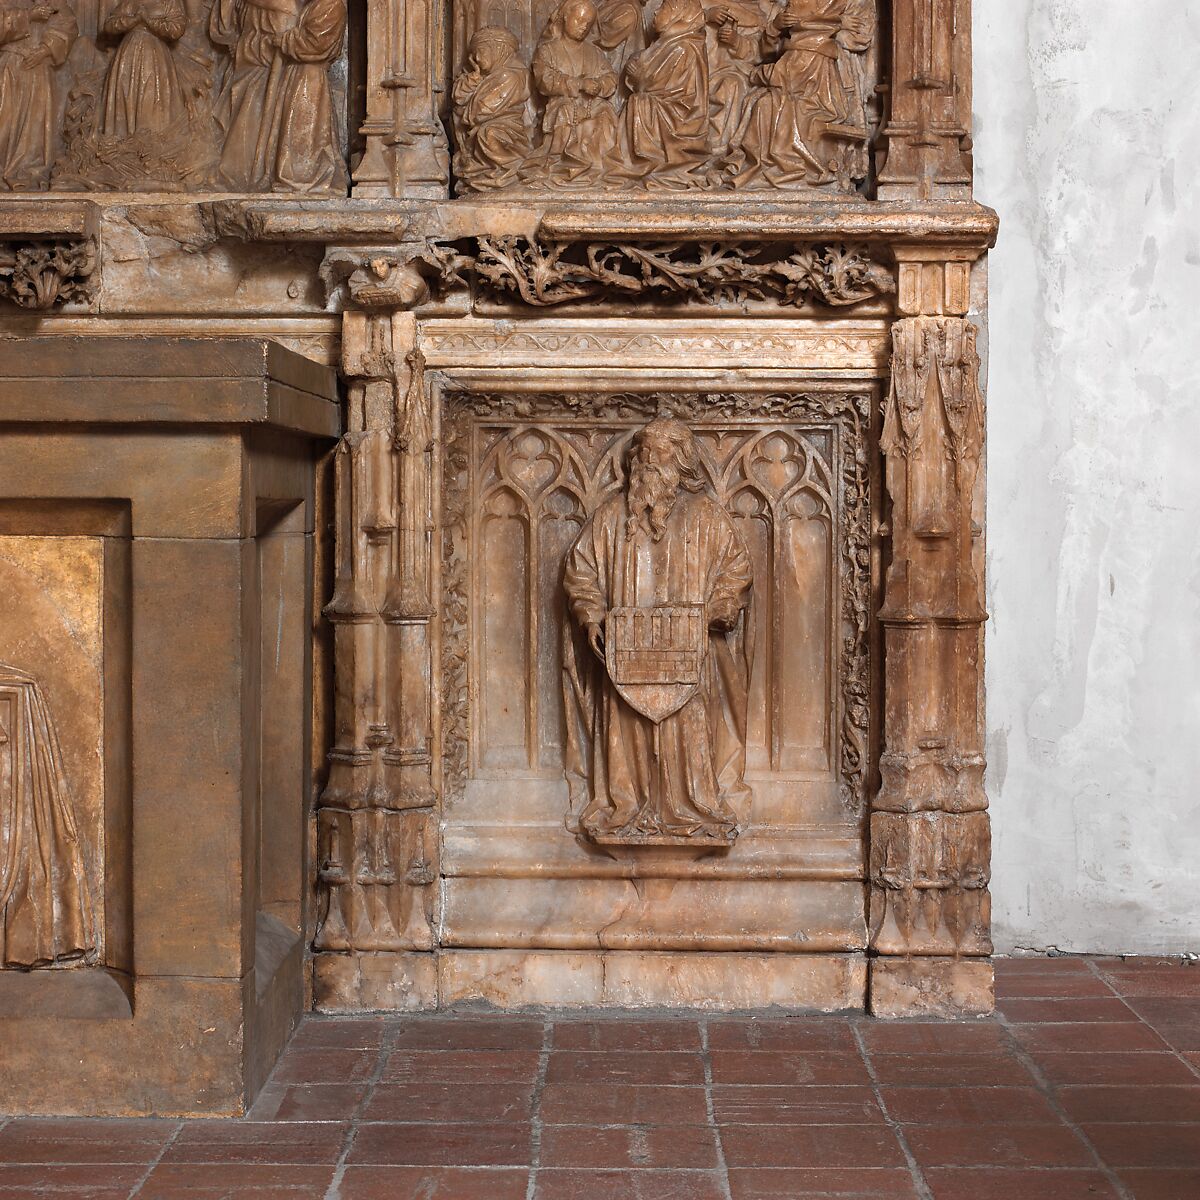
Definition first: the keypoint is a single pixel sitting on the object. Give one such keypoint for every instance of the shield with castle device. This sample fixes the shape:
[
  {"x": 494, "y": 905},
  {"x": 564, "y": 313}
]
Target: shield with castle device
[{"x": 655, "y": 656}]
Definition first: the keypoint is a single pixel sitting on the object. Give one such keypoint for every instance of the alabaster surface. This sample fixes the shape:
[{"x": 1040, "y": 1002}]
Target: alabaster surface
[{"x": 592, "y": 588}]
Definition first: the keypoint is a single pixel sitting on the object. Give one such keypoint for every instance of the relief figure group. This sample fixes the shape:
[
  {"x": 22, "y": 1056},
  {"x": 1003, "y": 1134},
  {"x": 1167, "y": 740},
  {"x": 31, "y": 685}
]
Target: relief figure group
[
  {"x": 150, "y": 98},
  {"x": 695, "y": 94}
]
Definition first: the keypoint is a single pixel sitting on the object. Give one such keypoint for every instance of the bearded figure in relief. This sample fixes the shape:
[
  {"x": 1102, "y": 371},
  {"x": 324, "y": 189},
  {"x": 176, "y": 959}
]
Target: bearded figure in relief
[{"x": 655, "y": 656}]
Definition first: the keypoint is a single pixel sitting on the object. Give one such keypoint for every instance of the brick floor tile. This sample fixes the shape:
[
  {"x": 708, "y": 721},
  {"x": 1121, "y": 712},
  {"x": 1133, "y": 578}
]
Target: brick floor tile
[
  {"x": 47, "y": 1140},
  {"x": 1041, "y": 964},
  {"x": 996, "y": 1146},
  {"x": 1146, "y": 1145},
  {"x": 787, "y": 1067},
  {"x": 951, "y": 1070},
  {"x": 1162, "y": 1105},
  {"x": 194, "y": 1181},
  {"x": 1193, "y": 1059},
  {"x": 736, "y": 1104},
  {"x": 1089, "y": 1037},
  {"x": 797, "y": 1033},
  {"x": 286, "y": 1143},
  {"x": 433, "y": 1183},
  {"x": 1093, "y": 1008},
  {"x": 308, "y": 1102},
  {"x": 912, "y": 1037},
  {"x": 577, "y": 1066},
  {"x": 338, "y": 1033},
  {"x": 1158, "y": 1184},
  {"x": 848, "y": 1183},
  {"x": 958, "y": 1106},
  {"x": 1039, "y": 984},
  {"x": 637, "y": 1036},
  {"x": 450, "y": 1145},
  {"x": 496, "y": 1103},
  {"x": 469, "y": 1033},
  {"x": 1152, "y": 977},
  {"x": 973, "y": 1184},
  {"x": 112, "y": 1182},
  {"x": 619, "y": 1104},
  {"x": 627, "y": 1185},
  {"x": 1167, "y": 1010},
  {"x": 811, "y": 1146},
  {"x": 461, "y": 1066},
  {"x": 1138, "y": 1068},
  {"x": 325, "y": 1066},
  {"x": 688, "y": 1146}
]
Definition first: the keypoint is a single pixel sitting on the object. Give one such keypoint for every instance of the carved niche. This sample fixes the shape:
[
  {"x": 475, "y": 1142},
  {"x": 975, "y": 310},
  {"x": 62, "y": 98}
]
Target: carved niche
[
  {"x": 785, "y": 487},
  {"x": 154, "y": 95},
  {"x": 677, "y": 95}
]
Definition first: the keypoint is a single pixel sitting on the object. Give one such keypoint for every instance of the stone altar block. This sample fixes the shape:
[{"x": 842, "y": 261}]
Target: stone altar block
[{"x": 156, "y": 568}]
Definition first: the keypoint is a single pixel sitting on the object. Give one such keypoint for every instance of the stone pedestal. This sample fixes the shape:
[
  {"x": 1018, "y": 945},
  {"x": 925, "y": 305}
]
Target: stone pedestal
[{"x": 156, "y": 564}]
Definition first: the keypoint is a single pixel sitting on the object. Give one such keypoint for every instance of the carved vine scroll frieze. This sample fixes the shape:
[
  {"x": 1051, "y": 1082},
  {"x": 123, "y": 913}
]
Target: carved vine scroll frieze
[
  {"x": 779, "y": 469},
  {"x": 43, "y": 274},
  {"x": 547, "y": 274}
]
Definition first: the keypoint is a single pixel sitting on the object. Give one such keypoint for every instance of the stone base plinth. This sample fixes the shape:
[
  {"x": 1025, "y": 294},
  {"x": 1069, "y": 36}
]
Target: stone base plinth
[
  {"x": 931, "y": 987},
  {"x": 514, "y": 979}
]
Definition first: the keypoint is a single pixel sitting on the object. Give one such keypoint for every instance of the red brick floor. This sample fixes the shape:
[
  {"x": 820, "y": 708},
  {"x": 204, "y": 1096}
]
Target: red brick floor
[{"x": 1085, "y": 1086}]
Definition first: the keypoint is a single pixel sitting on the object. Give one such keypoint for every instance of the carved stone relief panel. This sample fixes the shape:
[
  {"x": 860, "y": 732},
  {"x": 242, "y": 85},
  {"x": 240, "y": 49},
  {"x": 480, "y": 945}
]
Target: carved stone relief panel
[
  {"x": 667, "y": 95},
  {"x": 159, "y": 95},
  {"x": 51, "y": 752},
  {"x": 783, "y": 493}
]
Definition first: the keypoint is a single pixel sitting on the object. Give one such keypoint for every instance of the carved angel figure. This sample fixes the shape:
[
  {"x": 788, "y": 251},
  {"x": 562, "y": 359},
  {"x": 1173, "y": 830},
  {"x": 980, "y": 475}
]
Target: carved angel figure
[
  {"x": 45, "y": 907},
  {"x": 490, "y": 99},
  {"x": 35, "y": 39},
  {"x": 656, "y": 720},
  {"x": 666, "y": 116},
  {"x": 275, "y": 107},
  {"x": 803, "y": 124},
  {"x": 142, "y": 88},
  {"x": 579, "y": 125}
]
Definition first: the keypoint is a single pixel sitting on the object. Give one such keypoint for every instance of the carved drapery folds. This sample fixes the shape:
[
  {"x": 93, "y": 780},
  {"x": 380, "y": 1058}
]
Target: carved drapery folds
[
  {"x": 930, "y": 841},
  {"x": 154, "y": 96},
  {"x": 582, "y": 95},
  {"x": 375, "y": 827}
]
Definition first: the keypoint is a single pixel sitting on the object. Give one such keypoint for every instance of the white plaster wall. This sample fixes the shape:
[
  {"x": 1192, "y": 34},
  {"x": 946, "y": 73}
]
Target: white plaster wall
[{"x": 1088, "y": 143}]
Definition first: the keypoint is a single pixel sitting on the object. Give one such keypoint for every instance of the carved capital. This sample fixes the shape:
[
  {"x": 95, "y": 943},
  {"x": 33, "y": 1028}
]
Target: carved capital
[{"x": 44, "y": 274}]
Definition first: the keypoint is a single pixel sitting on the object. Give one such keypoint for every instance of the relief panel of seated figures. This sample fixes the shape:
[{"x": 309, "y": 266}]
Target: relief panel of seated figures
[
  {"x": 670, "y": 94},
  {"x": 150, "y": 95}
]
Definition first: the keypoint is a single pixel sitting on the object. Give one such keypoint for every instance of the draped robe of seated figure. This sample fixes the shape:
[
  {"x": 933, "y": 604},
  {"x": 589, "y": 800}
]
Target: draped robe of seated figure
[
  {"x": 667, "y": 126},
  {"x": 664, "y": 541},
  {"x": 35, "y": 40},
  {"x": 275, "y": 107},
  {"x": 142, "y": 89},
  {"x": 45, "y": 908},
  {"x": 579, "y": 126},
  {"x": 735, "y": 51},
  {"x": 800, "y": 123},
  {"x": 490, "y": 99}
]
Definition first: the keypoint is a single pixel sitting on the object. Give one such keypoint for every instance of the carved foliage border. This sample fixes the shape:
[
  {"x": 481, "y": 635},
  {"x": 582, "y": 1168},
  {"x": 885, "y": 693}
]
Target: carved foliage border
[{"x": 851, "y": 413}]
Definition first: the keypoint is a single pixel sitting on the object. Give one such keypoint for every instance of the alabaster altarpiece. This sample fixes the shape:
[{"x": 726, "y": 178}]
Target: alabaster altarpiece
[{"x": 645, "y": 573}]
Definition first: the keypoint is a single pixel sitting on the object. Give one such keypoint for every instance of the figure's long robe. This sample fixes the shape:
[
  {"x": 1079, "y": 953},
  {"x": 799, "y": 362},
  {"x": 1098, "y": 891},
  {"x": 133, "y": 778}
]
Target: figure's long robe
[
  {"x": 580, "y": 132},
  {"x": 275, "y": 108},
  {"x": 695, "y": 784},
  {"x": 45, "y": 907},
  {"x": 797, "y": 123},
  {"x": 489, "y": 119},
  {"x": 28, "y": 108},
  {"x": 666, "y": 116},
  {"x": 142, "y": 89}
]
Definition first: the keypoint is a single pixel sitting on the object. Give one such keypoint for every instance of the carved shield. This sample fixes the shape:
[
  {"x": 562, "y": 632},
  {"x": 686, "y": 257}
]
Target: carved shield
[{"x": 655, "y": 655}]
